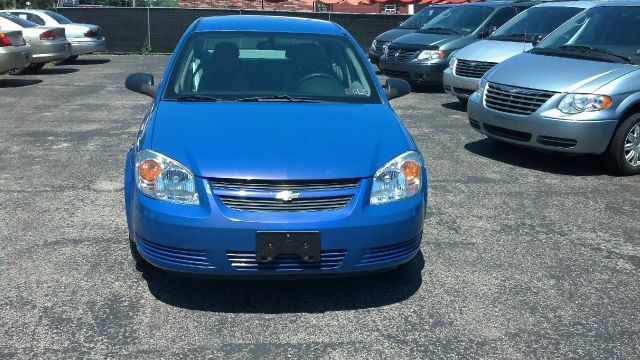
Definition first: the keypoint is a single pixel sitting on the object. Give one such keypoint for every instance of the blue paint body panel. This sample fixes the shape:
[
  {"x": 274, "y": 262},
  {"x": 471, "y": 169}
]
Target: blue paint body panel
[{"x": 273, "y": 141}]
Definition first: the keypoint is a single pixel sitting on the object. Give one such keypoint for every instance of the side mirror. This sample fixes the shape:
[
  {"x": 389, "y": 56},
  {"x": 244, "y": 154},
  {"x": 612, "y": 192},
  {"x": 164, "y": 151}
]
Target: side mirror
[
  {"x": 141, "y": 83},
  {"x": 536, "y": 40},
  {"x": 395, "y": 88}
]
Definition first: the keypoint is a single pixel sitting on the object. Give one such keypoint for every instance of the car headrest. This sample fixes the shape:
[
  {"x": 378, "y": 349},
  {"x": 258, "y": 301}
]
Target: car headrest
[{"x": 304, "y": 54}]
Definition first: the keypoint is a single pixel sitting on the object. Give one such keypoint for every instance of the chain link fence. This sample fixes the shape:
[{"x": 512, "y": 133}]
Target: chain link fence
[{"x": 135, "y": 30}]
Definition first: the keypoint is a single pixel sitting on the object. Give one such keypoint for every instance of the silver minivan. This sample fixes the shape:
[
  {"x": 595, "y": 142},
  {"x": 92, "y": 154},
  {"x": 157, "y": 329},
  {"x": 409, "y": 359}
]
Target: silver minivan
[
  {"x": 468, "y": 64},
  {"x": 577, "y": 91}
]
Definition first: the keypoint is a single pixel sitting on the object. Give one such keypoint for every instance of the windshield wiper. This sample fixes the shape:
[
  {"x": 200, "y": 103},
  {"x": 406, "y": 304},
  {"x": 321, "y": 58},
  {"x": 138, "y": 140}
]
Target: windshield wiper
[
  {"x": 594, "y": 49},
  {"x": 279, "y": 98},
  {"x": 203, "y": 98},
  {"x": 440, "y": 30}
]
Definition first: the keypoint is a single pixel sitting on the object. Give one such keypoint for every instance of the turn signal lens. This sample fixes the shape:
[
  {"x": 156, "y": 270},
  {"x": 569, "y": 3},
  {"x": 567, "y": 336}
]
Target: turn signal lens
[
  {"x": 149, "y": 170},
  {"x": 411, "y": 170}
]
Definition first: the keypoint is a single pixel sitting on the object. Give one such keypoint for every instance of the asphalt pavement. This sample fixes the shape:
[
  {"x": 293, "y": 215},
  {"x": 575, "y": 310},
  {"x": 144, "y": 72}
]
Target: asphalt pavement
[{"x": 525, "y": 254}]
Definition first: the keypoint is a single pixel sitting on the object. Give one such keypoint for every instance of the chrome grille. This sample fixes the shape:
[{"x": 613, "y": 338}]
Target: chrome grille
[
  {"x": 279, "y": 185},
  {"x": 472, "y": 69},
  {"x": 285, "y": 195},
  {"x": 246, "y": 260},
  {"x": 514, "y": 100},
  {"x": 379, "y": 48},
  {"x": 272, "y": 204},
  {"x": 400, "y": 55}
]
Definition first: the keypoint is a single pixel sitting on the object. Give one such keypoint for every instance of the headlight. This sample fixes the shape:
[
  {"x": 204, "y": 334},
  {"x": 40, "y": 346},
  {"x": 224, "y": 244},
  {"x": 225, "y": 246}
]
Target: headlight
[
  {"x": 481, "y": 86},
  {"x": 398, "y": 179},
  {"x": 430, "y": 55},
  {"x": 452, "y": 62},
  {"x": 577, "y": 103},
  {"x": 162, "y": 178}
]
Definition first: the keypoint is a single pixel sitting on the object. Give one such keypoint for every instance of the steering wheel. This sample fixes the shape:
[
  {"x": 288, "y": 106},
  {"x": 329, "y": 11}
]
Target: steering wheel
[{"x": 314, "y": 76}]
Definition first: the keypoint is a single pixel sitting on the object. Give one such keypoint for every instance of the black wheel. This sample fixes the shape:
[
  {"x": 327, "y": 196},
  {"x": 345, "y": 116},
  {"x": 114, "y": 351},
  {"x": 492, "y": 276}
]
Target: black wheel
[
  {"x": 141, "y": 263},
  {"x": 32, "y": 68},
  {"x": 623, "y": 154},
  {"x": 69, "y": 60}
]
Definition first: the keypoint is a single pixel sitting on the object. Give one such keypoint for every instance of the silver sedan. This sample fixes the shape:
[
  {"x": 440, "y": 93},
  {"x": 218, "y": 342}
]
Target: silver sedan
[
  {"x": 48, "y": 43},
  {"x": 15, "y": 53},
  {"x": 84, "y": 38}
]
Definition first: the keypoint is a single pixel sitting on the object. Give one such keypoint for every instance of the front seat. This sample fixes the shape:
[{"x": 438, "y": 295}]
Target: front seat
[{"x": 224, "y": 70}]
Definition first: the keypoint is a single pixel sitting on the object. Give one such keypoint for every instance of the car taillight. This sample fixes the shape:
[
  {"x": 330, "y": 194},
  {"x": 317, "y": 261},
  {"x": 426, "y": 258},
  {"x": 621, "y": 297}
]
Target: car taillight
[
  {"x": 48, "y": 35},
  {"x": 91, "y": 33},
  {"x": 4, "y": 40}
]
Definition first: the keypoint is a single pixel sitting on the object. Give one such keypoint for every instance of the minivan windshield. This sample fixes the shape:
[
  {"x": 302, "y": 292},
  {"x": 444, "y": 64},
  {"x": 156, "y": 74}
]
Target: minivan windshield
[
  {"x": 460, "y": 20},
  {"x": 58, "y": 18},
  {"x": 422, "y": 17},
  {"x": 604, "y": 33},
  {"x": 269, "y": 66},
  {"x": 534, "y": 22}
]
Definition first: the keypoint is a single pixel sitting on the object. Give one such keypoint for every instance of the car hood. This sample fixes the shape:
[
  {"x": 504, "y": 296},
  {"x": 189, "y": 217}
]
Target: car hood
[
  {"x": 279, "y": 140},
  {"x": 393, "y": 34},
  {"x": 557, "y": 74},
  {"x": 425, "y": 39},
  {"x": 492, "y": 50}
]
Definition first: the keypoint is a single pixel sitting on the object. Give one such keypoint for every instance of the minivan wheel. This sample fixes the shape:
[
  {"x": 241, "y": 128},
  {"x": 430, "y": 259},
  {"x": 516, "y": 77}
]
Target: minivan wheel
[{"x": 623, "y": 154}]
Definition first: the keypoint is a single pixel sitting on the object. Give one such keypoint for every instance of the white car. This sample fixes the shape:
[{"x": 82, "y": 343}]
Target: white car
[{"x": 84, "y": 38}]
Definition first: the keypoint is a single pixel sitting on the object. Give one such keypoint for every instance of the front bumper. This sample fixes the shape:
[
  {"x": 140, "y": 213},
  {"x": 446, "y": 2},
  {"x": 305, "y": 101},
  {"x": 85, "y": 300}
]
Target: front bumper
[
  {"x": 49, "y": 51},
  {"x": 15, "y": 58},
  {"x": 84, "y": 45},
  {"x": 544, "y": 129},
  {"x": 416, "y": 73},
  {"x": 211, "y": 239},
  {"x": 458, "y": 86}
]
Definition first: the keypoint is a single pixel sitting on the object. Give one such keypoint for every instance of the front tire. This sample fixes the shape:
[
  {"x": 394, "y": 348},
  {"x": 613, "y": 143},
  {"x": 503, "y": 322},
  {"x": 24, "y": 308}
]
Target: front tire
[{"x": 623, "y": 154}]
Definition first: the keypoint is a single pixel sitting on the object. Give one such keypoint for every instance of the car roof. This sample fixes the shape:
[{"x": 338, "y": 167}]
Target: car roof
[
  {"x": 620, "y": 3},
  {"x": 499, "y": 4},
  {"x": 574, "y": 4},
  {"x": 268, "y": 24}
]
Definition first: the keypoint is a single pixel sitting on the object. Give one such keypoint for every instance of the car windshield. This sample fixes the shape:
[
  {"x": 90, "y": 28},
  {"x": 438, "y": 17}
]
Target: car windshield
[
  {"x": 16, "y": 20},
  {"x": 422, "y": 17},
  {"x": 534, "y": 22},
  {"x": 604, "y": 33},
  {"x": 269, "y": 66},
  {"x": 461, "y": 19},
  {"x": 58, "y": 18}
]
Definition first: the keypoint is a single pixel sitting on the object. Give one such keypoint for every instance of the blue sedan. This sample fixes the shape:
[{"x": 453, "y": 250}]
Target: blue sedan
[{"x": 270, "y": 148}]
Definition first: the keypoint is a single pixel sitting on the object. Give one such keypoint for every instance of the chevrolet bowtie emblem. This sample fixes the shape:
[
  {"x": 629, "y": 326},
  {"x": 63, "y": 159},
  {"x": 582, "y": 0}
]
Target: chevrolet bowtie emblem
[{"x": 287, "y": 196}]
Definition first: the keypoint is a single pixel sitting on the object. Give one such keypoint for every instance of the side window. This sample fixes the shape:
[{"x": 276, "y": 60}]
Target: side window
[
  {"x": 501, "y": 16},
  {"x": 36, "y": 19}
]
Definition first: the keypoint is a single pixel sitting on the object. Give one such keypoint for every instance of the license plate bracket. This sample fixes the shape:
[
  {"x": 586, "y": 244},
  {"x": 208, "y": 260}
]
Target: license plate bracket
[{"x": 305, "y": 244}]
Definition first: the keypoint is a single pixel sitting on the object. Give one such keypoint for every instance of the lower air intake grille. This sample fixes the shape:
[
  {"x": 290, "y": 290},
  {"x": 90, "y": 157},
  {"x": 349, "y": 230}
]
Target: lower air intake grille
[
  {"x": 173, "y": 255},
  {"x": 389, "y": 252},
  {"x": 246, "y": 261}
]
